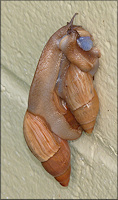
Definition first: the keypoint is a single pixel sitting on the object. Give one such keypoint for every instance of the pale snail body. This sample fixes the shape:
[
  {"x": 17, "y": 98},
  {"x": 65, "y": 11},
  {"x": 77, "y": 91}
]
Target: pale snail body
[
  {"x": 49, "y": 120},
  {"x": 43, "y": 88}
]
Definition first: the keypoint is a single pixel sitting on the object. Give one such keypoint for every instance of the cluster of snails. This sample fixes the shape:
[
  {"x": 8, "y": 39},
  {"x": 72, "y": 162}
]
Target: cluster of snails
[{"x": 62, "y": 99}]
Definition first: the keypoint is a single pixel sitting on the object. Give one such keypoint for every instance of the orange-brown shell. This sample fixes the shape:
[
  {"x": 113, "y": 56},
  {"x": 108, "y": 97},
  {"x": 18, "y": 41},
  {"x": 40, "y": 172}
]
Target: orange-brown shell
[
  {"x": 78, "y": 89},
  {"x": 39, "y": 138},
  {"x": 81, "y": 97},
  {"x": 52, "y": 151},
  {"x": 86, "y": 115},
  {"x": 59, "y": 165}
]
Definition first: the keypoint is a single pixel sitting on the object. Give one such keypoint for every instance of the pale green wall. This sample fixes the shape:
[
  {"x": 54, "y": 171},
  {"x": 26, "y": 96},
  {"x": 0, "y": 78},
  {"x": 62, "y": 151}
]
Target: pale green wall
[{"x": 25, "y": 27}]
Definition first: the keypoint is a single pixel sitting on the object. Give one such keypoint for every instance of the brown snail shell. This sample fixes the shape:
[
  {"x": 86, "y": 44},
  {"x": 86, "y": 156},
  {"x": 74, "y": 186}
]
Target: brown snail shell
[
  {"x": 86, "y": 115},
  {"x": 39, "y": 138},
  {"x": 59, "y": 164},
  {"x": 52, "y": 151},
  {"x": 81, "y": 97}
]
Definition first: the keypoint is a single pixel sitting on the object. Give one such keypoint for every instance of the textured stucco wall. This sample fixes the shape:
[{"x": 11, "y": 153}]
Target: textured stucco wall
[{"x": 25, "y": 27}]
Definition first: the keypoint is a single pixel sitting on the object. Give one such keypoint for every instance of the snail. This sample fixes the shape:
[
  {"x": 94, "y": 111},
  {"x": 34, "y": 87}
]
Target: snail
[{"x": 61, "y": 97}]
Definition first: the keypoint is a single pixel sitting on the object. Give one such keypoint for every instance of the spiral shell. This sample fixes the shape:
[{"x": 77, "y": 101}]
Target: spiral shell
[
  {"x": 39, "y": 138},
  {"x": 86, "y": 115},
  {"x": 52, "y": 151},
  {"x": 59, "y": 165},
  {"x": 81, "y": 97}
]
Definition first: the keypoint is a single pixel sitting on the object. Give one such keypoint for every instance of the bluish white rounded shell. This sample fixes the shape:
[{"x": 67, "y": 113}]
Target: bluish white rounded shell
[{"x": 85, "y": 43}]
